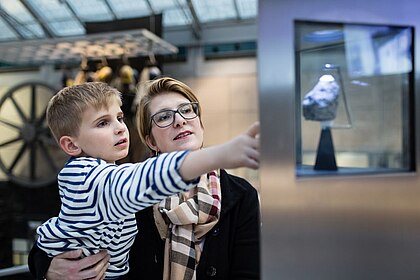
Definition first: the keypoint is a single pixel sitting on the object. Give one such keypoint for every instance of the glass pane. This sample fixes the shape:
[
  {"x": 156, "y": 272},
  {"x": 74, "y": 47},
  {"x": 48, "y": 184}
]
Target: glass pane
[
  {"x": 159, "y": 6},
  {"x": 247, "y": 8},
  {"x": 129, "y": 8},
  {"x": 175, "y": 12},
  {"x": 215, "y": 10},
  {"x": 354, "y": 98},
  {"x": 92, "y": 10},
  {"x": 58, "y": 17},
  {"x": 176, "y": 17},
  {"x": 31, "y": 30},
  {"x": 6, "y": 32},
  {"x": 67, "y": 27},
  {"x": 25, "y": 23},
  {"x": 51, "y": 9},
  {"x": 17, "y": 10}
]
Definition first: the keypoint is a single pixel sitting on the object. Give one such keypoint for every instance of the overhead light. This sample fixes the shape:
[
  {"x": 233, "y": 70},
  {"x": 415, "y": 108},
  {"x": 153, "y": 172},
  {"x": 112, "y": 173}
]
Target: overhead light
[{"x": 329, "y": 35}]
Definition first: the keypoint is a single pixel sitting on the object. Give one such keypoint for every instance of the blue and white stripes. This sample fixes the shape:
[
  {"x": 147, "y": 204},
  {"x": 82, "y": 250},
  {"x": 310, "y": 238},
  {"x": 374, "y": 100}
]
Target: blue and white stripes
[{"x": 99, "y": 201}]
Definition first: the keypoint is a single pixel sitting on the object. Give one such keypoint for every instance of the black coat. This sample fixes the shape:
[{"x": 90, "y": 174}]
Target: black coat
[{"x": 231, "y": 249}]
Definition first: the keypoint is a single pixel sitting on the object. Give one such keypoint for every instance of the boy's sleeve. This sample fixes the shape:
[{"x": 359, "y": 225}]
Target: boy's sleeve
[
  {"x": 38, "y": 262},
  {"x": 116, "y": 191},
  {"x": 141, "y": 185}
]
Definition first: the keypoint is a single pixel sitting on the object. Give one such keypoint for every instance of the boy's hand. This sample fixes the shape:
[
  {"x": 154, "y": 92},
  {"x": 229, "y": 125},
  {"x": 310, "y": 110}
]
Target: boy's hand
[{"x": 243, "y": 150}]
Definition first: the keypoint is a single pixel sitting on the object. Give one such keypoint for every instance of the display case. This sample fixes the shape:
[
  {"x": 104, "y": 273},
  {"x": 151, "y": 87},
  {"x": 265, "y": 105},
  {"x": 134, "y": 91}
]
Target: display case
[{"x": 354, "y": 98}]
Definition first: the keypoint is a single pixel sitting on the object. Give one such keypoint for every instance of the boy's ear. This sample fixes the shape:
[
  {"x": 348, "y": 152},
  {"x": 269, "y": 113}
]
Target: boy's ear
[
  {"x": 69, "y": 147},
  {"x": 151, "y": 143}
]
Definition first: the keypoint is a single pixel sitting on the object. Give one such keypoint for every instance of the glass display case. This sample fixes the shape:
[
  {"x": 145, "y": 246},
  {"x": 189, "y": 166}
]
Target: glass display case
[{"x": 354, "y": 98}]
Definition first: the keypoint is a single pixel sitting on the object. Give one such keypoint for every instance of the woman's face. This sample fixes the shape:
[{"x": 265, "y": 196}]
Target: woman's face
[{"x": 182, "y": 134}]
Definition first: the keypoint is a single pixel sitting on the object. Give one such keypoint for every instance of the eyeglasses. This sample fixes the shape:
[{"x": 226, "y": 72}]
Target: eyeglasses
[{"x": 165, "y": 118}]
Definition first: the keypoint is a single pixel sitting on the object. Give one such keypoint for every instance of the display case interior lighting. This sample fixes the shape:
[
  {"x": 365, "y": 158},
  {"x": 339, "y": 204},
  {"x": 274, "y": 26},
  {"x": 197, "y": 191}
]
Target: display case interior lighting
[{"x": 329, "y": 35}]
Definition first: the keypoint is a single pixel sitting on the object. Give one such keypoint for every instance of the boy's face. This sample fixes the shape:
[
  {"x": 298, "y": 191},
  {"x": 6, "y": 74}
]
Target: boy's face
[{"x": 103, "y": 133}]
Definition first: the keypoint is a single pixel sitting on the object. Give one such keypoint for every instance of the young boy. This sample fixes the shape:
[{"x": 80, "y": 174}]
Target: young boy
[{"x": 99, "y": 198}]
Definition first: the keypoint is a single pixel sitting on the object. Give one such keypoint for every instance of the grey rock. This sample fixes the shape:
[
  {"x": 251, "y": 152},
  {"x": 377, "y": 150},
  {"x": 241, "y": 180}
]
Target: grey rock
[{"x": 320, "y": 104}]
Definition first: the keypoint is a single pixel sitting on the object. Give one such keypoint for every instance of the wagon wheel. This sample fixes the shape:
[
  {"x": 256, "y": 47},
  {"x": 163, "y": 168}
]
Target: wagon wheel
[{"x": 29, "y": 155}]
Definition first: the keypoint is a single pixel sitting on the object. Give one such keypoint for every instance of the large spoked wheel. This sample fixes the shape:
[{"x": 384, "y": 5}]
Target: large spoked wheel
[{"x": 29, "y": 155}]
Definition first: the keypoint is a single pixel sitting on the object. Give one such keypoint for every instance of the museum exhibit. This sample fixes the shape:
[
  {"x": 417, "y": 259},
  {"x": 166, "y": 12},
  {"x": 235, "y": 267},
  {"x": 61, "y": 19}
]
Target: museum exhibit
[{"x": 338, "y": 92}]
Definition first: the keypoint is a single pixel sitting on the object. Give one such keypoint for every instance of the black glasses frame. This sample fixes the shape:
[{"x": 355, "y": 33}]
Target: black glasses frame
[{"x": 195, "y": 108}]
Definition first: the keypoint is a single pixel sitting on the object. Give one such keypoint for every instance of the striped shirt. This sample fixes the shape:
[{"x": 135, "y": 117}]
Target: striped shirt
[{"x": 99, "y": 201}]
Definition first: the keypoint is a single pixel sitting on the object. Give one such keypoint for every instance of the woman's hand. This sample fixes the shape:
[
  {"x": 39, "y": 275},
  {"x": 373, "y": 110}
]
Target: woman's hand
[{"x": 72, "y": 265}]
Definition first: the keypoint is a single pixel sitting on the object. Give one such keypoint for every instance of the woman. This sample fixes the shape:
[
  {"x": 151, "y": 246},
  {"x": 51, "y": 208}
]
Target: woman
[{"x": 221, "y": 214}]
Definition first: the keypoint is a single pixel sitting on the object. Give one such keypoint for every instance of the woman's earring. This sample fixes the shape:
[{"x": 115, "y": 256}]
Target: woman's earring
[{"x": 156, "y": 153}]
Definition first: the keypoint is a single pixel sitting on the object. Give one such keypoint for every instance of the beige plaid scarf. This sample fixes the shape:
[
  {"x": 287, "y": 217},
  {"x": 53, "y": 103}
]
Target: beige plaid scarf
[{"x": 183, "y": 224}]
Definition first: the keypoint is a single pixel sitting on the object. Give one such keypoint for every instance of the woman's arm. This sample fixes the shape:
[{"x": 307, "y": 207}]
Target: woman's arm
[{"x": 67, "y": 266}]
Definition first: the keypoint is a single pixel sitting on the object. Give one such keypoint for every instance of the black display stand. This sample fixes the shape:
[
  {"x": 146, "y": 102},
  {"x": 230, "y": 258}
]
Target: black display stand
[{"x": 325, "y": 157}]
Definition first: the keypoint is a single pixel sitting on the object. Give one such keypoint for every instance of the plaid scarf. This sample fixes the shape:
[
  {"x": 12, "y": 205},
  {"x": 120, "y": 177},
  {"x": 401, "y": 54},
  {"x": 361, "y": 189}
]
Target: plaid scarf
[{"x": 183, "y": 225}]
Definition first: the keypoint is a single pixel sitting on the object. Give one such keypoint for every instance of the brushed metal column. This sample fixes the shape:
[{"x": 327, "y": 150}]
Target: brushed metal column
[{"x": 353, "y": 227}]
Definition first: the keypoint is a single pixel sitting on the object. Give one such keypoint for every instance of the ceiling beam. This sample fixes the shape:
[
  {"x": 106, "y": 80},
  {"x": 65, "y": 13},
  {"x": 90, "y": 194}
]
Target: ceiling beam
[
  {"x": 111, "y": 10},
  {"x": 73, "y": 12},
  {"x": 235, "y": 5},
  {"x": 152, "y": 23},
  {"x": 12, "y": 23},
  {"x": 195, "y": 24},
  {"x": 152, "y": 11},
  {"x": 47, "y": 30}
]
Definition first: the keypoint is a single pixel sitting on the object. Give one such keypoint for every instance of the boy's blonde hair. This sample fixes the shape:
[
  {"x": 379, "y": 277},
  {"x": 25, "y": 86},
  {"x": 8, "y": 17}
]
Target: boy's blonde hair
[
  {"x": 65, "y": 109},
  {"x": 152, "y": 88}
]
